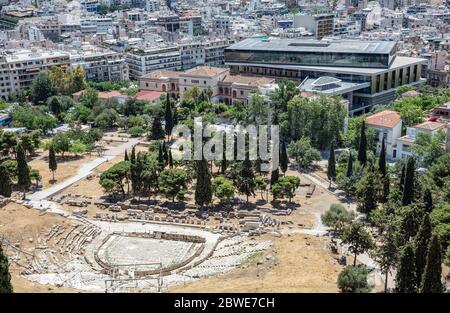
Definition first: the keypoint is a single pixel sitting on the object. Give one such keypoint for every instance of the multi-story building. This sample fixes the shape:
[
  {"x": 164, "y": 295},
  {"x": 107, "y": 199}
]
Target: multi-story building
[
  {"x": 192, "y": 54},
  {"x": 388, "y": 126},
  {"x": 226, "y": 88},
  {"x": 365, "y": 72},
  {"x": 215, "y": 52},
  {"x": 147, "y": 59},
  {"x": 100, "y": 64},
  {"x": 202, "y": 77},
  {"x": 320, "y": 23},
  {"x": 90, "y": 6},
  {"x": 19, "y": 68},
  {"x": 404, "y": 143},
  {"x": 151, "y": 5}
]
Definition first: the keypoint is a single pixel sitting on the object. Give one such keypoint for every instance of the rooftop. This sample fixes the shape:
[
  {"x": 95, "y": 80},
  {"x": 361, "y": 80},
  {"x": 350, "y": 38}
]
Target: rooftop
[
  {"x": 309, "y": 45},
  {"x": 162, "y": 74},
  {"x": 148, "y": 95},
  {"x": 386, "y": 118},
  {"x": 205, "y": 71},
  {"x": 429, "y": 125},
  {"x": 247, "y": 80}
]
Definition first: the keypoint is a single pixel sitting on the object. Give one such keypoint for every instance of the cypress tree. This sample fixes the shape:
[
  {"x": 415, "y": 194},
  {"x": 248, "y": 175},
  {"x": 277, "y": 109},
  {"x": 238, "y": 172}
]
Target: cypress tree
[
  {"x": 5, "y": 182},
  {"x": 126, "y": 158},
  {"x": 422, "y": 242},
  {"x": 203, "y": 190},
  {"x": 161, "y": 157},
  {"x": 175, "y": 117},
  {"x": 362, "y": 151},
  {"x": 274, "y": 176},
  {"x": 405, "y": 279},
  {"x": 428, "y": 200},
  {"x": 52, "y": 165},
  {"x": 432, "y": 275},
  {"x": 223, "y": 164},
  {"x": 133, "y": 156},
  {"x": 23, "y": 171},
  {"x": 168, "y": 117},
  {"x": 331, "y": 170},
  {"x": 166, "y": 154},
  {"x": 402, "y": 178},
  {"x": 170, "y": 158},
  {"x": 5, "y": 276},
  {"x": 384, "y": 176},
  {"x": 349, "y": 165},
  {"x": 386, "y": 189},
  {"x": 156, "y": 132},
  {"x": 408, "y": 187},
  {"x": 284, "y": 160},
  {"x": 133, "y": 173},
  {"x": 382, "y": 159}
]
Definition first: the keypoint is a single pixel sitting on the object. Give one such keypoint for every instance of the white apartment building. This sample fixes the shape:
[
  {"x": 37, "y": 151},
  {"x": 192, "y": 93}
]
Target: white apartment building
[
  {"x": 151, "y": 5},
  {"x": 192, "y": 54},
  {"x": 388, "y": 125},
  {"x": 18, "y": 68},
  {"x": 214, "y": 51},
  {"x": 145, "y": 60},
  {"x": 404, "y": 143},
  {"x": 208, "y": 52},
  {"x": 100, "y": 64}
]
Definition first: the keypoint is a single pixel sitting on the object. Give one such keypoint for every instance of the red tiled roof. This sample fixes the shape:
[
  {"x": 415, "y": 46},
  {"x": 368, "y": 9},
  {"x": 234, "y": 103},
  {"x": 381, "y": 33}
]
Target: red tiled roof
[
  {"x": 148, "y": 95},
  {"x": 387, "y": 119}
]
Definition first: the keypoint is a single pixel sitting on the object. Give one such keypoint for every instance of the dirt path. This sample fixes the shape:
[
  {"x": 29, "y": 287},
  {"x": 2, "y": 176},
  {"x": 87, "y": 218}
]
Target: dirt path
[{"x": 83, "y": 171}]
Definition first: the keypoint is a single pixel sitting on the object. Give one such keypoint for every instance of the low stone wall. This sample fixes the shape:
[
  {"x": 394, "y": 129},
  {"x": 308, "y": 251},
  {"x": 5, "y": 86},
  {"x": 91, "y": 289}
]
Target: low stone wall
[{"x": 155, "y": 235}]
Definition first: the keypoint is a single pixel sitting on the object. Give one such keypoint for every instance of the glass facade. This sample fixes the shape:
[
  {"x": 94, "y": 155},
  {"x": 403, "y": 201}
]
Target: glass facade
[{"x": 344, "y": 59}]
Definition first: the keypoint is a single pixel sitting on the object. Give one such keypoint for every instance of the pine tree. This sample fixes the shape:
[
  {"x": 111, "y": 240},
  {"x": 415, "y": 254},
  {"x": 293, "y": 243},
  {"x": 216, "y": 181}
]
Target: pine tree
[
  {"x": 126, "y": 158},
  {"x": 170, "y": 159},
  {"x": 368, "y": 190},
  {"x": 386, "y": 252},
  {"x": 331, "y": 170},
  {"x": 168, "y": 117},
  {"x": 349, "y": 165},
  {"x": 23, "y": 171},
  {"x": 52, "y": 164},
  {"x": 405, "y": 279},
  {"x": 428, "y": 200},
  {"x": 362, "y": 151},
  {"x": 432, "y": 275},
  {"x": 5, "y": 182},
  {"x": 5, "y": 276},
  {"x": 408, "y": 187},
  {"x": 203, "y": 190},
  {"x": 422, "y": 241},
  {"x": 284, "y": 160},
  {"x": 246, "y": 183}
]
